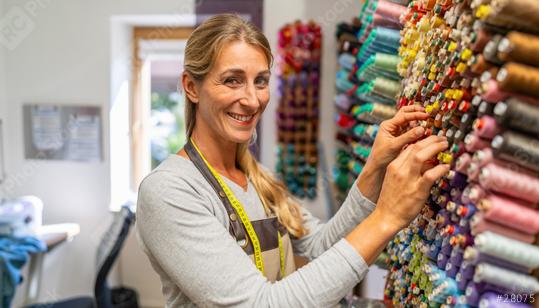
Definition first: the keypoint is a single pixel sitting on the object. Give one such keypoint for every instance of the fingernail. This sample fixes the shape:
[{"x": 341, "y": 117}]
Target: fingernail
[{"x": 419, "y": 131}]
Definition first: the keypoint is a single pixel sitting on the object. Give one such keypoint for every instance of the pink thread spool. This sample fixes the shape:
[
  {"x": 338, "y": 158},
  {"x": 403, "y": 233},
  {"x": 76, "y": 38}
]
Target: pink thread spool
[
  {"x": 390, "y": 10},
  {"x": 472, "y": 142},
  {"x": 491, "y": 93},
  {"x": 511, "y": 213},
  {"x": 480, "y": 224},
  {"x": 504, "y": 180},
  {"x": 473, "y": 171},
  {"x": 379, "y": 20},
  {"x": 463, "y": 162},
  {"x": 473, "y": 193},
  {"x": 483, "y": 157},
  {"x": 486, "y": 127}
]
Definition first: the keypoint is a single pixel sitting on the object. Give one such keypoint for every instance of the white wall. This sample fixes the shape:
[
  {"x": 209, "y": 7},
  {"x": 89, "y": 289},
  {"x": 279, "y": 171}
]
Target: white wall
[
  {"x": 64, "y": 57},
  {"x": 2, "y": 73}
]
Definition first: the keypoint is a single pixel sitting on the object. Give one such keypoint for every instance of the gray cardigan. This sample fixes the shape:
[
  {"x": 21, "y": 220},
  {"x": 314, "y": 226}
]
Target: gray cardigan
[{"x": 183, "y": 228}]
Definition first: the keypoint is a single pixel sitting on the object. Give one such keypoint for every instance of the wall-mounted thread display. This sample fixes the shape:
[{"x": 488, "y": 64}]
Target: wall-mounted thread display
[
  {"x": 367, "y": 83},
  {"x": 476, "y": 77},
  {"x": 297, "y": 113}
]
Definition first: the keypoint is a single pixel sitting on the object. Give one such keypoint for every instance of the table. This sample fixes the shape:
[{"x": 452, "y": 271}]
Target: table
[{"x": 53, "y": 236}]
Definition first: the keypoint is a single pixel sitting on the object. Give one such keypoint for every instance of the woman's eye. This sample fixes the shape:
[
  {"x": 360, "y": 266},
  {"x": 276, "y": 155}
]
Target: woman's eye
[
  {"x": 261, "y": 81},
  {"x": 232, "y": 81}
]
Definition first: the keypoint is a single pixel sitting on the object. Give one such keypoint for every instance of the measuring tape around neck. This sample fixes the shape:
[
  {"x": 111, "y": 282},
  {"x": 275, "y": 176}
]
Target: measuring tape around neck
[{"x": 245, "y": 220}]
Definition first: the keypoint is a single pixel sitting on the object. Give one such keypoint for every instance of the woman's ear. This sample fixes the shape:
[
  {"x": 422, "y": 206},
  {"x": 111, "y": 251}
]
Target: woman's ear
[{"x": 189, "y": 86}]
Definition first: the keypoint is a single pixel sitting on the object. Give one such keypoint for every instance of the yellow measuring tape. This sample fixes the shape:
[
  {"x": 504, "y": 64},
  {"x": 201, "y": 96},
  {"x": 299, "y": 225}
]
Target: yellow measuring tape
[{"x": 245, "y": 221}]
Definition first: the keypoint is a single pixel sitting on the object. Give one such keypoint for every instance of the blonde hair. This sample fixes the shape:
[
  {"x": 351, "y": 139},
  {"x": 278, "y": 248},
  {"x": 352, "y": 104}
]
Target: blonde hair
[{"x": 203, "y": 47}]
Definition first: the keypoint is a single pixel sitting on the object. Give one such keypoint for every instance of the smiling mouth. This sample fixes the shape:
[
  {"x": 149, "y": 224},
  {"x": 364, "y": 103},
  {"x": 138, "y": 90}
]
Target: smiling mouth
[{"x": 244, "y": 119}]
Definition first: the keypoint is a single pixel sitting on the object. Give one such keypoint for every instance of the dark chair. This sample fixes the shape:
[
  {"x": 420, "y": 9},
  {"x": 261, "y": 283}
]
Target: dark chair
[{"x": 107, "y": 252}]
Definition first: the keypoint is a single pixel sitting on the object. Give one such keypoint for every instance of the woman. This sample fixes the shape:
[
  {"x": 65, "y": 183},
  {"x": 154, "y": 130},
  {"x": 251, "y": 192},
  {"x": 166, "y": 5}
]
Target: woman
[{"x": 192, "y": 208}]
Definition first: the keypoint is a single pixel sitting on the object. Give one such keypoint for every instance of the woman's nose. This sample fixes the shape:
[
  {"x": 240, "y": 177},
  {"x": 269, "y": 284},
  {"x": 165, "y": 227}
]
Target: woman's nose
[{"x": 250, "y": 98}]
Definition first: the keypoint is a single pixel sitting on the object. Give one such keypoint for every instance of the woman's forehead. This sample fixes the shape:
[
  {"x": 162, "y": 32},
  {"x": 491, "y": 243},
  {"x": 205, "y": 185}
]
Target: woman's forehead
[{"x": 239, "y": 55}]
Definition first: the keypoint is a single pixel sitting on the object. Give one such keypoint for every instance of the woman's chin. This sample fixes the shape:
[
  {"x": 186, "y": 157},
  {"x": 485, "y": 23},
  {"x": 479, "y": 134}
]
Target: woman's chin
[{"x": 241, "y": 138}]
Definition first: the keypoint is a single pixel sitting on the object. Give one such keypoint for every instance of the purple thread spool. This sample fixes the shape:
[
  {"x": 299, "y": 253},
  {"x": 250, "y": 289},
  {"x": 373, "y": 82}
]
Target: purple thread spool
[
  {"x": 462, "y": 282},
  {"x": 446, "y": 247},
  {"x": 458, "y": 179},
  {"x": 456, "y": 255},
  {"x": 442, "y": 260},
  {"x": 451, "y": 269},
  {"x": 467, "y": 270}
]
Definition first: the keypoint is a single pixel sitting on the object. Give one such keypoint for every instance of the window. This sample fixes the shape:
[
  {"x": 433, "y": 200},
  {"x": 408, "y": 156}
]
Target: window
[{"x": 157, "y": 123}]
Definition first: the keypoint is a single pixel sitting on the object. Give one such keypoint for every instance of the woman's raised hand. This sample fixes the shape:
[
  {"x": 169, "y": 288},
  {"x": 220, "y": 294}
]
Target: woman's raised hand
[
  {"x": 389, "y": 142},
  {"x": 405, "y": 187}
]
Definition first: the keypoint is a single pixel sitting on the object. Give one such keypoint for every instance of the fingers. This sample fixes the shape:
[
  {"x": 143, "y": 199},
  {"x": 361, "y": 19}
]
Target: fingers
[
  {"x": 427, "y": 141},
  {"x": 406, "y": 115},
  {"x": 430, "y": 151},
  {"x": 412, "y": 108},
  {"x": 409, "y": 137},
  {"x": 434, "y": 174}
]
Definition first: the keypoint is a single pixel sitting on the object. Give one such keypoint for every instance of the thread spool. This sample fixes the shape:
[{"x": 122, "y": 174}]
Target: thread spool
[
  {"x": 519, "y": 47},
  {"x": 491, "y": 50},
  {"x": 473, "y": 142},
  {"x": 510, "y": 212},
  {"x": 518, "y": 149},
  {"x": 518, "y": 115},
  {"x": 508, "y": 249},
  {"x": 385, "y": 87},
  {"x": 510, "y": 182},
  {"x": 514, "y": 77},
  {"x": 510, "y": 280},
  {"x": 486, "y": 127},
  {"x": 479, "y": 225},
  {"x": 475, "y": 257},
  {"x": 514, "y": 14}
]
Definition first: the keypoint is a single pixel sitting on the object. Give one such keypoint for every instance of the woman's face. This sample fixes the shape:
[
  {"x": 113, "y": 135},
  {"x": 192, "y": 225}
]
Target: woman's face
[{"x": 235, "y": 92}]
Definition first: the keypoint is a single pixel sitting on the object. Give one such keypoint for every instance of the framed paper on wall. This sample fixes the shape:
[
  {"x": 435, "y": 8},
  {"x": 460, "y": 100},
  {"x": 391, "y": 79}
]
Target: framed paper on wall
[{"x": 56, "y": 132}]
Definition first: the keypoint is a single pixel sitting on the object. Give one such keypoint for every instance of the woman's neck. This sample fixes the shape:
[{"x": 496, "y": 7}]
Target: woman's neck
[{"x": 221, "y": 154}]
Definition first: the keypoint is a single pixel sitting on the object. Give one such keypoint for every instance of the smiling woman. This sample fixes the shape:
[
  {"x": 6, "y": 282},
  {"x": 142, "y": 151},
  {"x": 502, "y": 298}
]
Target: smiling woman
[{"x": 221, "y": 231}]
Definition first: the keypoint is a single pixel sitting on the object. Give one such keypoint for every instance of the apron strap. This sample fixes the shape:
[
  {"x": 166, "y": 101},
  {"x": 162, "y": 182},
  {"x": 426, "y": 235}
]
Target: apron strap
[{"x": 235, "y": 229}]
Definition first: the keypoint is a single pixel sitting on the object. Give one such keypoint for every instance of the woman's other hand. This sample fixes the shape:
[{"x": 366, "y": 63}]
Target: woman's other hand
[
  {"x": 389, "y": 142},
  {"x": 405, "y": 190}
]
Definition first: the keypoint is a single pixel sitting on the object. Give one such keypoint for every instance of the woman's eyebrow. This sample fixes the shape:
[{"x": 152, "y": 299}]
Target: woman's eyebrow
[
  {"x": 232, "y": 71},
  {"x": 241, "y": 71}
]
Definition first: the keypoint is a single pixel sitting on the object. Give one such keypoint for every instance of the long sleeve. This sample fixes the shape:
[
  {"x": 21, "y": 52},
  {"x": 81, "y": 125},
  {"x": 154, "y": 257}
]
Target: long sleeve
[
  {"x": 324, "y": 235},
  {"x": 195, "y": 252}
]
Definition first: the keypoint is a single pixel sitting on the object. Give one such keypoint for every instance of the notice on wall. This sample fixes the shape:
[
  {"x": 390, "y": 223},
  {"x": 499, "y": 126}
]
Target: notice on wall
[{"x": 57, "y": 132}]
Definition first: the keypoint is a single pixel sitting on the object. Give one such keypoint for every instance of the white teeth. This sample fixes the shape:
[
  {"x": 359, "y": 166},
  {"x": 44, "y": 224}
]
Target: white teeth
[{"x": 239, "y": 117}]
